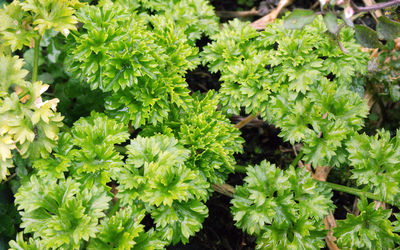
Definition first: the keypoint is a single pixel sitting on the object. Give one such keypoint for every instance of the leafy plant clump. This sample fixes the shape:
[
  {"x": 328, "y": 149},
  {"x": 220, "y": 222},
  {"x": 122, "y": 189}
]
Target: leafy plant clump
[
  {"x": 103, "y": 145},
  {"x": 284, "y": 209},
  {"x": 299, "y": 80}
]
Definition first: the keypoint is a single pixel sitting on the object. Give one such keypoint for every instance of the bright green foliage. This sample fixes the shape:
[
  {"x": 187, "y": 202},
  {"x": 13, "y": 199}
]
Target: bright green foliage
[
  {"x": 208, "y": 134},
  {"x": 297, "y": 80},
  {"x": 155, "y": 174},
  {"x": 255, "y": 65},
  {"x": 284, "y": 209},
  {"x": 376, "y": 162},
  {"x": 94, "y": 155},
  {"x": 154, "y": 178},
  {"x": 323, "y": 120},
  {"x": 15, "y": 30},
  {"x": 49, "y": 14},
  {"x": 119, "y": 231},
  {"x": 32, "y": 244},
  {"x": 181, "y": 221},
  {"x": 27, "y": 123},
  {"x": 87, "y": 152},
  {"x": 369, "y": 230},
  {"x": 117, "y": 51},
  {"x": 195, "y": 17},
  {"x": 61, "y": 213},
  {"x": 23, "y": 22}
]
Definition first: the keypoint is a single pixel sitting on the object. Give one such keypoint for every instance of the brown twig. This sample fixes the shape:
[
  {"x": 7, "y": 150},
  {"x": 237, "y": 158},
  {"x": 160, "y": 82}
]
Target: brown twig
[
  {"x": 321, "y": 173},
  {"x": 224, "y": 189},
  {"x": 262, "y": 22},
  {"x": 233, "y": 14},
  {"x": 330, "y": 222},
  {"x": 11, "y": 177},
  {"x": 248, "y": 119},
  {"x": 377, "y": 6},
  {"x": 376, "y": 13}
]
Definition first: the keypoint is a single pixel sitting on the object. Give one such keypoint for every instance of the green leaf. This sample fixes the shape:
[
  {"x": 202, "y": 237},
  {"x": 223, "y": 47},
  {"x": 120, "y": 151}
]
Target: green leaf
[
  {"x": 49, "y": 14},
  {"x": 330, "y": 21},
  {"x": 276, "y": 205},
  {"x": 180, "y": 221},
  {"x": 61, "y": 213},
  {"x": 387, "y": 29},
  {"x": 20, "y": 243},
  {"x": 370, "y": 230},
  {"x": 367, "y": 37},
  {"x": 6, "y": 145},
  {"x": 119, "y": 231},
  {"x": 376, "y": 160},
  {"x": 298, "y": 19}
]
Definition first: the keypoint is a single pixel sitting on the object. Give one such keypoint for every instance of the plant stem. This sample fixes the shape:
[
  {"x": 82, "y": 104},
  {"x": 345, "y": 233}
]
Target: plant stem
[
  {"x": 297, "y": 159},
  {"x": 115, "y": 208},
  {"x": 376, "y": 6},
  {"x": 240, "y": 169},
  {"x": 353, "y": 191},
  {"x": 245, "y": 121},
  {"x": 120, "y": 149},
  {"x": 36, "y": 60},
  {"x": 224, "y": 189}
]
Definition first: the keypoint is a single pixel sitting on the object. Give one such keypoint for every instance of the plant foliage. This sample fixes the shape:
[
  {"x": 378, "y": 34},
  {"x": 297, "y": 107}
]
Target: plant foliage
[
  {"x": 284, "y": 209},
  {"x": 27, "y": 123},
  {"x": 139, "y": 154},
  {"x": 371, "y": 229},
  {"x": 297, "y": 79}
]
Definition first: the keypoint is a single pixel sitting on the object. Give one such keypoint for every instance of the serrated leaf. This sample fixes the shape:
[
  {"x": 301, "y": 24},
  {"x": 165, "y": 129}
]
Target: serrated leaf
[
  {"x": 367, "y": 37},
  {"x": 369, "y": 230},
  {"x": 387, "y": 29},
  {"x": 298, "y": 19},
  {"x": 274, "y": 205}
]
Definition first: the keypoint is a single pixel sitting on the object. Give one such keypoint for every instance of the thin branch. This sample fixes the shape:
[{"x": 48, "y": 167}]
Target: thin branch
[
  {"x": 224, "y": 189},
  {"x": 263, "y": 21},
  {"x": 232, "y": 14},
  {"x": 375, "y": 6},
  {"x": 36, "y": 60},
  {"x": 297, "y": 159},
  {"x": 248, "y": 119}
]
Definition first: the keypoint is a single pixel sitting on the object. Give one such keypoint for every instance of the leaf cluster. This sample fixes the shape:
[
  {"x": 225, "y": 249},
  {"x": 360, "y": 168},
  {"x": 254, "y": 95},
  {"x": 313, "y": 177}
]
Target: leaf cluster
[
  {"x": 371, "y": 229},
  {"x": 375, "y": 162},
  {"x": 283, "y": 209},
  {"x": 139, "y": 59},
  {"x": 298, "y": 80},
  {"x": 23, "y": 23},
  {"x": 27, "y": 123},
  {"x": 195, "y": 17},
  {"x": 158, "y": 176},
  {"x": 207, "y": 133}
]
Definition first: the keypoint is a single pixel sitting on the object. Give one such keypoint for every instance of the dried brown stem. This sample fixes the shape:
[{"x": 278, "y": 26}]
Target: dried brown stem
[
  {"x": 224, "y": 189},
  {"x": 245, "y": 121},
  {"x": 262, "y": 22},
  {"x": 233, "y": 14},
  {"x": 378, "y": 6}
]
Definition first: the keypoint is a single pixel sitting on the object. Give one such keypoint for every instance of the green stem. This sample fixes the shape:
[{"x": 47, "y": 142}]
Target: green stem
[
  {"x": 36, "y": 60},
  {"x": 120, "y": 149},
  {"x": 240, "y": 169},
  {"x": 297, "y": 159},
  {"x": 115, "y": 208},
  {"x": 353, "y": 191}
]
